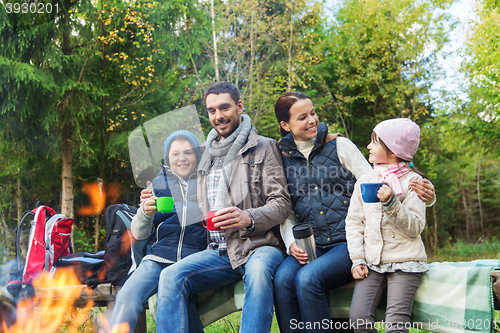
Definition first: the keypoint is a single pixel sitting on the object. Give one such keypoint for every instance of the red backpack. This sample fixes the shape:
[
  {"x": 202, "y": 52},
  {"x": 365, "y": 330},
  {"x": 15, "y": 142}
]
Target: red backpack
[
  {"x": 48, "y": 241},
  {"x": 49, "y": 238}
]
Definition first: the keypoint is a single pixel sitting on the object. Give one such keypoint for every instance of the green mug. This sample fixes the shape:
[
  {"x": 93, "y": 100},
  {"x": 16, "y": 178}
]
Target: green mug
[{"x": 164, "y": 204}]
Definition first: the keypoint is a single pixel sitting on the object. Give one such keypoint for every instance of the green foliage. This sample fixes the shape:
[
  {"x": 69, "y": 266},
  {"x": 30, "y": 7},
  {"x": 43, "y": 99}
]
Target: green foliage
[
  {"x": 82, "y": 239},
  {"x": 103, "y": 68},
  {"x": 373, "y": 63},
  {"x": 482, "y": 67}
]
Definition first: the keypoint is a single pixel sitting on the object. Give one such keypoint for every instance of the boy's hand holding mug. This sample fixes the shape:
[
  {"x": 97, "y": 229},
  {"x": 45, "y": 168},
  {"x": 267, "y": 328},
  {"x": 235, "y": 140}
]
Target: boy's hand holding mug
[
  {"x": 147, "y": 192},
  {"x": 149, "y": 206}
]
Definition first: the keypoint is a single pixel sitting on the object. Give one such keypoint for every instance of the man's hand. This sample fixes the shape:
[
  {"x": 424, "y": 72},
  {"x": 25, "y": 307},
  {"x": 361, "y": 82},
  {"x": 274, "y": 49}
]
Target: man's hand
[
  {"x": 146, "y": 193},
  {"x": 298, "y": 253},
  {"x": 232, "y": 217},
  {"x": 384, "y": 192},
  {"x": 424, "y": 190},
  {"x": 149, "y": 207},
  {"x": 360, "y": 272}
]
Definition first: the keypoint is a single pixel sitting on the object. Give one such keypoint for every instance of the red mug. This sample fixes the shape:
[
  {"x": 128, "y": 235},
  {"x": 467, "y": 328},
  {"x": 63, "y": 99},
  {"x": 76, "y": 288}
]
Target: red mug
[{"x": 209, "y": 223}]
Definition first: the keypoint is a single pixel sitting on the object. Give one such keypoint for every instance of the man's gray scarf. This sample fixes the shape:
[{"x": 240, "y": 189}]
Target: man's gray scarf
[{"x": 228, "y": 148}]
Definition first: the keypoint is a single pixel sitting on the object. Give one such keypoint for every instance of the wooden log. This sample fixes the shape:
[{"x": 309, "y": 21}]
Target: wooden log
[
  {"x": 495, "y": 280},
  {"x": 101, "y": 295},
  {"x": 7, "y": 314}
]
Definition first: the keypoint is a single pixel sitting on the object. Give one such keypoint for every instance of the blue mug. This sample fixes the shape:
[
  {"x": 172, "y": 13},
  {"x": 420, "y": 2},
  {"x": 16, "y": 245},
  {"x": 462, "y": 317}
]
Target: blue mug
[{"x": 369, "y": 192}]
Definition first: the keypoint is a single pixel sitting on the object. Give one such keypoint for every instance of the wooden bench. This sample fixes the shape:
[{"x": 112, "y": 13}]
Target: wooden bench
[{"x": 104, "y": 296}]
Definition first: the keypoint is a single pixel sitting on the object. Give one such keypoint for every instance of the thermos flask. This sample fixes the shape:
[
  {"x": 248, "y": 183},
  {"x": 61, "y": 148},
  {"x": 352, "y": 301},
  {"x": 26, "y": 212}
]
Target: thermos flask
[{"x": 304, "y": 237}]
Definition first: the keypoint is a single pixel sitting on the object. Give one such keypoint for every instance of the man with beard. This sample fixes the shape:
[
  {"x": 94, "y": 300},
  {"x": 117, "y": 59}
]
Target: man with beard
[{"x": 241, "y": 179}]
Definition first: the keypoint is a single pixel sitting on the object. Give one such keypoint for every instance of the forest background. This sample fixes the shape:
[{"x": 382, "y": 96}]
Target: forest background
[{"x": 75, "y": 82}]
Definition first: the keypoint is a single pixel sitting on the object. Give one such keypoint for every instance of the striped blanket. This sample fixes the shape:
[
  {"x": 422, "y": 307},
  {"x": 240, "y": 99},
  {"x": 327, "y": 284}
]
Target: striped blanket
[{"x": 453, "y": 297}]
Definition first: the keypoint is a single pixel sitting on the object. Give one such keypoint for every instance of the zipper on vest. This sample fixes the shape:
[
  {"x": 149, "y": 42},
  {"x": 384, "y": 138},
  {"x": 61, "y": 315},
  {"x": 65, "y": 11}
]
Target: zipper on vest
[
  {"x": 184, "y": 218},
  {"x": 308, "y": 160},
  {"x": 157, "y": 230}
]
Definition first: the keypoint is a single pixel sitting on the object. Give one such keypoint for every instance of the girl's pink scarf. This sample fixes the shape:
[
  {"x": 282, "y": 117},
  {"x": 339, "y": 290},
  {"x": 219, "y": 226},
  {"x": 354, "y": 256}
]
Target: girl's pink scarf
[{"x": 391, "y": 173}]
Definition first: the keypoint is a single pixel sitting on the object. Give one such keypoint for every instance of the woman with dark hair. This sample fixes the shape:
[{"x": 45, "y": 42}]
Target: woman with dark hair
[{"x": 321, "y": 171}]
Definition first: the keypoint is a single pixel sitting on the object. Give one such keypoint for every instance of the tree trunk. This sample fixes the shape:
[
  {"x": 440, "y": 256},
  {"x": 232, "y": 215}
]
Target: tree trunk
[
  {"x": 67, "y": 195},
  {"x": 481, "y": 220},
  {"x": 216, "y": 59},
  {"x": 290, "y": 50},
  {"x": 19, "y": 196},
  {"x": 436, "y": 242},
  {"x": 67, "y": 172},
  {"x": 252, "y": 55},
  {"x": 98, "y": 218},
  {"x": 471, "y": 215},
  {"x": 6, "y": 233},
  {"x": 466, "y": 214}
]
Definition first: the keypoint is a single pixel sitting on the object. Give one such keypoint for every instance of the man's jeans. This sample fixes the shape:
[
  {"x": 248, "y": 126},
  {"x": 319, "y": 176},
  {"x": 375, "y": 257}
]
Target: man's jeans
[
  {"x": 142, "y": 284},
  {"x": 206, "y": 270},
  {"x": 300, "y": 289}
]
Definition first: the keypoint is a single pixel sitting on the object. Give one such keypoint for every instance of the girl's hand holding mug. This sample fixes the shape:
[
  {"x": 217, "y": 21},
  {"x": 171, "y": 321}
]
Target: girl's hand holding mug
[
  {"x": 360, "y": 272},
  {"x": 385, "y": 192},
  {"x": 298, "y": 253}
]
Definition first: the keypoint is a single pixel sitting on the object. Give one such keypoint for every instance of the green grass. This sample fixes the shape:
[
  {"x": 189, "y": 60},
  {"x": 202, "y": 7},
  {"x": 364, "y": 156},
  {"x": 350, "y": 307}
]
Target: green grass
[
  {"x": 228, "y": 324},
  {"x": 465, "y": 251}
]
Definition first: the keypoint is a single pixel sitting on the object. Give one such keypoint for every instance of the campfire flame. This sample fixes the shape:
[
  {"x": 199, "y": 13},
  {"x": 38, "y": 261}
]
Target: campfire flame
[
  {"x": 53, "y": 308},
  {"x": 97, "y": 197}
]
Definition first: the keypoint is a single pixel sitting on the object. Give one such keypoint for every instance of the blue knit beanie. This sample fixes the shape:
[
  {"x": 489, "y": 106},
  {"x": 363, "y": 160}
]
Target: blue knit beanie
[{"x": 186, "y": 135}]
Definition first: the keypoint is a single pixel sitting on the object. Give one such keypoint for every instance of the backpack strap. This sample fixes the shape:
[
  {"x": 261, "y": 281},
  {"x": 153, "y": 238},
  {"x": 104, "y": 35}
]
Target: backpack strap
[
  {"x": 18, "y": 237},
  {"x": 47, "y": 256},
  {"x": 330, "y": 137},
  {"x": 124, "y": 218}
]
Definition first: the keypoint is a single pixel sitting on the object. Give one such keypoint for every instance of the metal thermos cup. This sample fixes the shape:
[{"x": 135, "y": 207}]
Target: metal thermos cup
[{"x": 304, "y": 237}]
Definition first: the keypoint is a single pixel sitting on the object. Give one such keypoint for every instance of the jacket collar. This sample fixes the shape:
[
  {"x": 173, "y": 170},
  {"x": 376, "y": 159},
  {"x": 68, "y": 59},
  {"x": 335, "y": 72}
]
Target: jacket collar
[
  {"x": 252, "y": 141},
  {"x": 287, "y": 143}
]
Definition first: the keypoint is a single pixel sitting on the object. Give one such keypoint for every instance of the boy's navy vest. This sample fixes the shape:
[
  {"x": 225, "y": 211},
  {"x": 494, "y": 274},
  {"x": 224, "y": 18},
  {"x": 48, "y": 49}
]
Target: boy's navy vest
[
  {"x": 167, "y": 233},
  {"x": 320, "y": 187}
]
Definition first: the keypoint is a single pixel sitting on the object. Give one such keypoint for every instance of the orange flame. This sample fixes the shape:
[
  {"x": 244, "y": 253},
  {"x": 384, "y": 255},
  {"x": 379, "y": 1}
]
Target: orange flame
[
  {"x": 97, "y": 197},
  {"x": 53, "y": 307}
]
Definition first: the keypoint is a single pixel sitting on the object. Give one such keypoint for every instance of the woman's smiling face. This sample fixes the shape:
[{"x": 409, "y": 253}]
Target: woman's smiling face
[{"x": 303, "y": 121}]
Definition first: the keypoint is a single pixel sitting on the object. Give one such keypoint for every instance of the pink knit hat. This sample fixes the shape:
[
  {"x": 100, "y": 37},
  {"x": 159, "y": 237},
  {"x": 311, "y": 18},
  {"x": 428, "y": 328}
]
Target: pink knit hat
[{"x": 400, "y": 135}]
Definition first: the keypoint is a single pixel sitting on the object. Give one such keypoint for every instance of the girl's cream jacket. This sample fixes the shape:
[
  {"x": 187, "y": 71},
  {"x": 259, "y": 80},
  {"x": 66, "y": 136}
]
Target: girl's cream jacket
[{"x": 381, "y": 237}]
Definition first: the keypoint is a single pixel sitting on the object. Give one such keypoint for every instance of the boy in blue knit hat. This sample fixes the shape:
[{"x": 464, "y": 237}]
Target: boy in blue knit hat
[{"x": 171, "y": 236}]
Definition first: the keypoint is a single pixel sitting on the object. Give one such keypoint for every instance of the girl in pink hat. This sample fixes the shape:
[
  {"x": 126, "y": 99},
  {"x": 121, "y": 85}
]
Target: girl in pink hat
[
  {"x": 383, "y": 238},
  {"x": 321, "y": 170}
]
